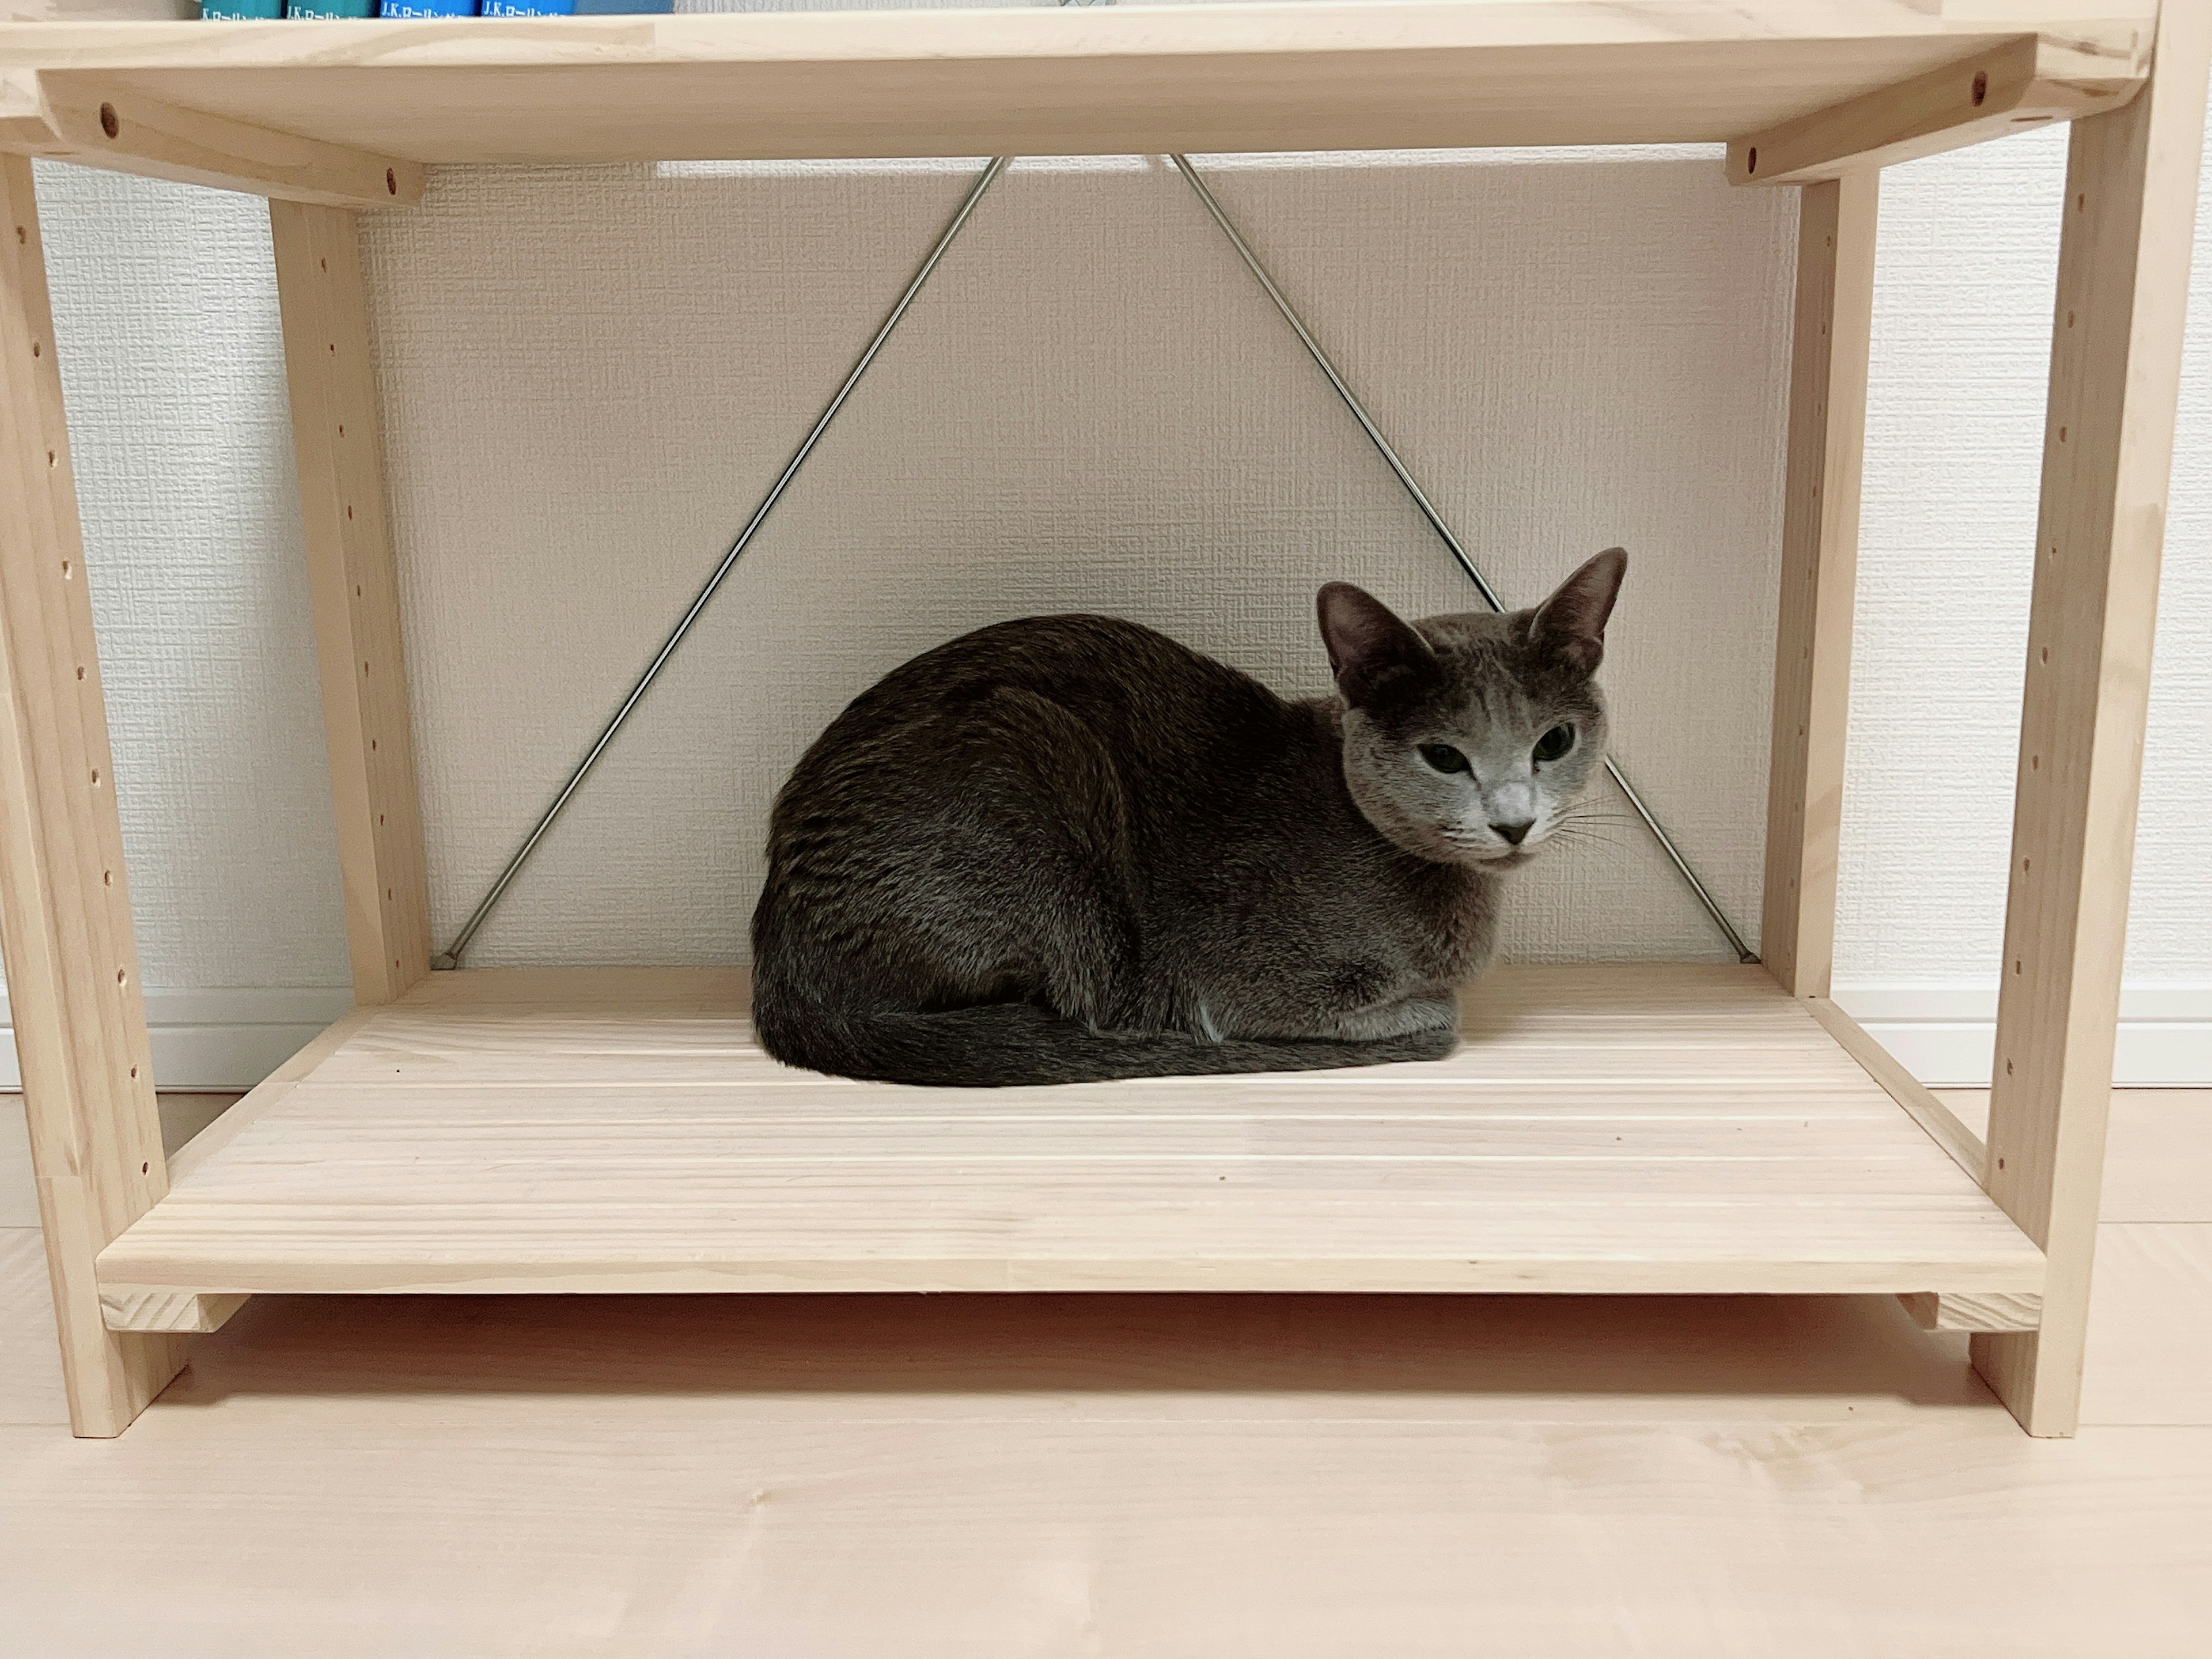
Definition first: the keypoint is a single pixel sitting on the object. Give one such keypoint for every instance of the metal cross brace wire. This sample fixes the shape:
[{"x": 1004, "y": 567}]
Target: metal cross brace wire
[
  {"x": 451, "y": 957},
  {"x": 1744, "y": 952}
]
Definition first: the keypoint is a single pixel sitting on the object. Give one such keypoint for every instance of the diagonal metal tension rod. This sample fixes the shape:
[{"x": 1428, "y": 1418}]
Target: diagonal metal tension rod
[
  {"x": 1744, "y": 952},
  {"x": 452, "y": 958}
]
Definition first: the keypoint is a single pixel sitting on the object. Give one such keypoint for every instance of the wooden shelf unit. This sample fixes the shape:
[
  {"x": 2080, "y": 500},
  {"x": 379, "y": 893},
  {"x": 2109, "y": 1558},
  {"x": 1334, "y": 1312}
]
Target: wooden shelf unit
[
  {"x": 1605, "y": 1128},
  {"x": 1653, "y": 1129}
]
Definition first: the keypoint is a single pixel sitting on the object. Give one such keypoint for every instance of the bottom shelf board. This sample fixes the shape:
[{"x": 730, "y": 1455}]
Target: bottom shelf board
[{"x": 1602, "y": 1128}]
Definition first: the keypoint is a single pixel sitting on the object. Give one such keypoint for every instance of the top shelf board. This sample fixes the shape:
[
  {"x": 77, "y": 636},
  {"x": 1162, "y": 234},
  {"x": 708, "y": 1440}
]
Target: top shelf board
[{"x": 321, "y": 111}]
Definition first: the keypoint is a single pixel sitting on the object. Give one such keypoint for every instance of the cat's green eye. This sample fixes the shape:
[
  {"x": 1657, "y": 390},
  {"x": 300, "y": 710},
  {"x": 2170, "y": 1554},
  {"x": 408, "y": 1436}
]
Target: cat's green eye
[
  {"x": 1444, "y": 757},
  {"x": 1554, "y": 743}
]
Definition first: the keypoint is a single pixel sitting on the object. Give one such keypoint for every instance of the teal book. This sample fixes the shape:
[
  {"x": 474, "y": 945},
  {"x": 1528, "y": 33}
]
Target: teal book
[
  {"x": 312, "y": 9},
  {"x": 232, "y": 11}
]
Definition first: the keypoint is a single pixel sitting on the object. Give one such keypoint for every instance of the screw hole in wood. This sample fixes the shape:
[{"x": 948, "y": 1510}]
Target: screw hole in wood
[
  {"x": 108, "y": 123},
  {"x": 1981, "y": 88}
]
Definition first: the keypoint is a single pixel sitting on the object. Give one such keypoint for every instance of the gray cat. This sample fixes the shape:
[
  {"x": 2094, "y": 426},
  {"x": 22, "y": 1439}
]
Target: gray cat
[{"x": 1070, "y": 849}]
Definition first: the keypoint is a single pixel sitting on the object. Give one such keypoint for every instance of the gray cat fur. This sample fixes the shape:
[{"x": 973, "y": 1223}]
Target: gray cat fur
[{"x": 1068, "y": 848}]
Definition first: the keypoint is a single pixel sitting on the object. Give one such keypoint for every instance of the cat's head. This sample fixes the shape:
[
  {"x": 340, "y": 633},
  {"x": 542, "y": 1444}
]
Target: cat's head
[{"x": 1467, "y": 737}]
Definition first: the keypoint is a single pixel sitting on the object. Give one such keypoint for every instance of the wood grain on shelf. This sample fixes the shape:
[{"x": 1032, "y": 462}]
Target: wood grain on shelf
[
  {"x": 1068, "y": 81},
  {"x": 1675, "y": 1127},
  {"x": 172, "y": 1311},
  {"x": 1973, "y": 1310},
  {"x": 94, "y": 121},
  {"x": 353, "y": 586},
  {"x": 1923, "y": 1106},
  {"x": 2017, "y": 84},
  {"x": 1829, "y": 342},
  {"x": 71, "y": 954},
  {"x": 2130, "y": 215}
]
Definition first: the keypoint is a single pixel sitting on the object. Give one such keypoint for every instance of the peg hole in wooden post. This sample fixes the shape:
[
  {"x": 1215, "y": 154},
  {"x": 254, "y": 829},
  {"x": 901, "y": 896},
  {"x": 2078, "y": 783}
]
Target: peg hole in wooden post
[
  {"x": 1751, "y": 161},
  {"x": 392, "y": 182},
  {"x": 1981, "y": 88},
  {"x": 108, "y": 123}
]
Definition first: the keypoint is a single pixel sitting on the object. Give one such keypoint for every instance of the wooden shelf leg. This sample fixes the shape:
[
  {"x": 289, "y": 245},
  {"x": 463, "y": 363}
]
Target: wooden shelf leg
[
  {"x": 1820, "y": 571},
  {"x": 337, "y": 435},
  {"x": 2124, "y": 260},
  {"x": 72, "y": 958}
]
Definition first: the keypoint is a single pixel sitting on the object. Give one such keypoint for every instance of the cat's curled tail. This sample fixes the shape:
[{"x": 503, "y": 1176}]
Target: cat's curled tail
[{"x": 1007, "y": 1044}]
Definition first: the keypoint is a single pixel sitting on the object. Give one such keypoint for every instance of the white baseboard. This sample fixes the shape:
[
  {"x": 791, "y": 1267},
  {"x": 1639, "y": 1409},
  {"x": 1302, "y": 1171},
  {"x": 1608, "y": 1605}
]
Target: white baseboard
[
  {"x": 221, "y": 1039},
  {"x": 1944, "y": 1034}
]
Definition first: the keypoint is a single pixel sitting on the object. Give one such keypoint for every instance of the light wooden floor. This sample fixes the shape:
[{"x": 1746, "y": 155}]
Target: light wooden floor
[{"x": 1207, "y": 1476}]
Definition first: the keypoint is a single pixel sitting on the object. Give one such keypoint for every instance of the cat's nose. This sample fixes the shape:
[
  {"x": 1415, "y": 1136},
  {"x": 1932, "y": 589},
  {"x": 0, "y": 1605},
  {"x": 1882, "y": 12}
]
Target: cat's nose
[{"x": 1516, "y": 832}]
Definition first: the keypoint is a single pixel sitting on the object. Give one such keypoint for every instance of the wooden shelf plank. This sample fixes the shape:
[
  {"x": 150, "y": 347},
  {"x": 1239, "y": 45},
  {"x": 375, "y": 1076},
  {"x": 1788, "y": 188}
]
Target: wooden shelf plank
[
  {"x": 1604, "y": 1128},
  {"x": 1065, "y": 81}
]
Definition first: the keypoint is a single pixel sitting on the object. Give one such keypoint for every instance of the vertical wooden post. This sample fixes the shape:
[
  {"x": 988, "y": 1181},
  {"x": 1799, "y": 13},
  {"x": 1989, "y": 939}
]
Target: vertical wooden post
[
  {"x": 338, "y": 437},
  {"x": 1819, "y": 571},
  {"x": 72, "y": 957},
  {"x": 2124, "y": 260}
]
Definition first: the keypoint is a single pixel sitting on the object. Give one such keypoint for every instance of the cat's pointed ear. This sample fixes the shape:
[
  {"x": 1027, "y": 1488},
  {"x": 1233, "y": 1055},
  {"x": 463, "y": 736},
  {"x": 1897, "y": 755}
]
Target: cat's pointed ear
[
  {"x": 1571, "y": 623},
  {"x": 1371, "y": 650}
]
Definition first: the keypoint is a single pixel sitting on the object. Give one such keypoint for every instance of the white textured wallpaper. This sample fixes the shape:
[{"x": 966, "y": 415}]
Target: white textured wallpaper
[
  {"x": 1969, "y": 260},
  {"x": 165, "y": 321},
  {"x": 591, "y": 375}
]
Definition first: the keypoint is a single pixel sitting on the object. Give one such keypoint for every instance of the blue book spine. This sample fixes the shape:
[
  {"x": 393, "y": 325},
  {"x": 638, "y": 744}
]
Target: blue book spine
[
  {"x": 236, "y": 11},
  {"x": 313, "y": 9},
  {"x": 427, "y": 9},
  {"x": 528, "y": 8}
]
